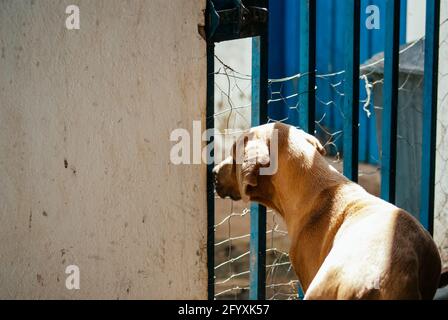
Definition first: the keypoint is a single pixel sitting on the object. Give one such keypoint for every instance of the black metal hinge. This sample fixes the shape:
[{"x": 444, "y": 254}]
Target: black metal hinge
[{"x": 233, "y": 19}]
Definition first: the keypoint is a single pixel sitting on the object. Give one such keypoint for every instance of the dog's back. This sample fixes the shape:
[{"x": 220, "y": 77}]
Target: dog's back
[{"x": 379, "y": 252}]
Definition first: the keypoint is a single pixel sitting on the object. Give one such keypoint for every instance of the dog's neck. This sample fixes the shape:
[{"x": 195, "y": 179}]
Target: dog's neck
[
  {"x": 313, "y": 215},
  {"x": 307, "y": 178}
]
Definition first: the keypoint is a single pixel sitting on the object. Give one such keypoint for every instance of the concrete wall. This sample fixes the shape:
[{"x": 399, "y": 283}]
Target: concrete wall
[
  {"x": 85, "y": 174},
  {"x": 441, "y": 192}
]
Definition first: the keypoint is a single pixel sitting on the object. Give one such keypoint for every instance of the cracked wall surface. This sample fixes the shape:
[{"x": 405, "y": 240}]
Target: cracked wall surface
[{"x": 441, "y": 190}]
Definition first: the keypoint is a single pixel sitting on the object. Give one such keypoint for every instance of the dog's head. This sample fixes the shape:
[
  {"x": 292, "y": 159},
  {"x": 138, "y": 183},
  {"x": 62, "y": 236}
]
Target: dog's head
[{"x": 255, "y": 161}]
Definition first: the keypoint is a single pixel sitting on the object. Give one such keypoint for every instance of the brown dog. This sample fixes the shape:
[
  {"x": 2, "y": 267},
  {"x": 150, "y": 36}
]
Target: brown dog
[{"x": 345, "y": 243}]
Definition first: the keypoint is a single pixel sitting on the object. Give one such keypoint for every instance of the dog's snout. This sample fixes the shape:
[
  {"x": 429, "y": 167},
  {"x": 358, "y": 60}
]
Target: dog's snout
[{"x": 224, "y": 180}]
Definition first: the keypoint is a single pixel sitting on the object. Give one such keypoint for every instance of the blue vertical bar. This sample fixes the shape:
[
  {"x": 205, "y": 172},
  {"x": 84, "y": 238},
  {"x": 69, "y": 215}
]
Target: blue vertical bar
[
  {"x": 278, "y": 110},
  {"x": 403, "y": 21},
  {"x": 351, "y": 89},
  {"x": 307, "y": 65},
  {"x": 390, "y": 94},
  {"x": 210, "y": 124},
  {"x": 430, "y": 112},
  {"x": 258, "y": 212},
  {"x": 254, "y": 207},
  {"x": 291, "y": 31}
]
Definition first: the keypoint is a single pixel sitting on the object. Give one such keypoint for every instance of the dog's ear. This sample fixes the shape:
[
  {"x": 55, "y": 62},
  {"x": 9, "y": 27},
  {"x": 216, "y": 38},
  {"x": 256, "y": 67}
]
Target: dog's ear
[
  {"x": 250, "y": 155},
  {"x": 315, "y": 143}
]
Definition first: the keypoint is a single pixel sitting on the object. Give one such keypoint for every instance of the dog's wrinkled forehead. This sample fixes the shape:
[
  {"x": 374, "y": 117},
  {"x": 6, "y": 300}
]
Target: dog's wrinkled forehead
[
  {"x": 273, "y": 136},
  {"x": 255, "y": 137}
]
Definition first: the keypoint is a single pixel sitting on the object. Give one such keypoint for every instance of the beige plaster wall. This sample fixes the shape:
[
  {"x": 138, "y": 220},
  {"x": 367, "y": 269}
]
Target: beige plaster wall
[{"x": 85, "y": 174}]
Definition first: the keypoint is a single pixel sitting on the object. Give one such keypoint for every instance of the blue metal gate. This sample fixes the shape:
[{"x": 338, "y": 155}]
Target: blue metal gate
[{"x": 307, "y": 101}]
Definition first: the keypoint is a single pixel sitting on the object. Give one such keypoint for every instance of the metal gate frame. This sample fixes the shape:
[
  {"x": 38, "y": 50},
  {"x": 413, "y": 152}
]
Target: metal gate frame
[{"x": 350, "y": 110}]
